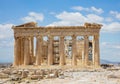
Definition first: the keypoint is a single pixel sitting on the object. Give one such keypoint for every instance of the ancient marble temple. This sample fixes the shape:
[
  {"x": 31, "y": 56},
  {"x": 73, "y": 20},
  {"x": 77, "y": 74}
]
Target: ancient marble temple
[{"x": 35, "y": 45}]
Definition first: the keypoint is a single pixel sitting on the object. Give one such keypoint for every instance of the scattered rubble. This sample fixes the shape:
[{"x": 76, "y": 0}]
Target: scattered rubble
[{"x": 43, "y": 76}]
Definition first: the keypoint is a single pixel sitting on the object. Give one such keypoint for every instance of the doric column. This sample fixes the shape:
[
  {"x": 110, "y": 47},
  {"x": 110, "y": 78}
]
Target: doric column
[
  {"x": 50, "y": 50},
  {"x": 96, "y": 54},
  {"x": 74, "y": 59},
  {"x": 22, "y": 51},
  {"x": 16, "y": 51},
  {"x": 86, "y": 50},
  {"x": 20, "y": 60},
  {"x": 26, "y": 51},
  {"x": 39, "y": 50},
  {"x": 31, "y": 50},
  {"x": 61, "y": 50},
  {"x": 83, "y": 57}
]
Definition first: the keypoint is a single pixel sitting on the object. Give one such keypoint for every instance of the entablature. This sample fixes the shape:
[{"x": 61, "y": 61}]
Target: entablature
[{"x": 87, "y": 29}]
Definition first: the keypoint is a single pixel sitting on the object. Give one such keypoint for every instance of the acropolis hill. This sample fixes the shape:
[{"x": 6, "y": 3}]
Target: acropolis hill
[{"x": 82, "y": 52}]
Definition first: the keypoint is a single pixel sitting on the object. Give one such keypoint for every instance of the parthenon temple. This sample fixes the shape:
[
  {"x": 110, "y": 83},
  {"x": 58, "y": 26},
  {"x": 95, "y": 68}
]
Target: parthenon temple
[{"x": 56, "y": 45}]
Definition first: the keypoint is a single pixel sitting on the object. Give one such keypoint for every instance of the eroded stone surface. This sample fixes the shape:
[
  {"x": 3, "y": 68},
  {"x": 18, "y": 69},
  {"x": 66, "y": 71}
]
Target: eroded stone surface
[
  {"x": 56, "y": 52},
  {"x": 61, "y": 76}
]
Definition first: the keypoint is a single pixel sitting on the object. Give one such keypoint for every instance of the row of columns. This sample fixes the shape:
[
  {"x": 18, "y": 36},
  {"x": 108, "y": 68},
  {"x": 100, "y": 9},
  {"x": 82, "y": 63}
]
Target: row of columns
[{"x": 24, "y": 50}]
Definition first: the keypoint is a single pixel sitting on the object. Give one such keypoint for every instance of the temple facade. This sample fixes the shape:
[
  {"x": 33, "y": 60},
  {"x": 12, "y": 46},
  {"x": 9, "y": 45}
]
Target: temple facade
[{"x": 57, "y": 45}]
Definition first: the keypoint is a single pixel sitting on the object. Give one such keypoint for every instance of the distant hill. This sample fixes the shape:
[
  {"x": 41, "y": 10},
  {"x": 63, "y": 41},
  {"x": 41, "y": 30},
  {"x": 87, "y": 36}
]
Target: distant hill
[{"x": 102, "y": 61}]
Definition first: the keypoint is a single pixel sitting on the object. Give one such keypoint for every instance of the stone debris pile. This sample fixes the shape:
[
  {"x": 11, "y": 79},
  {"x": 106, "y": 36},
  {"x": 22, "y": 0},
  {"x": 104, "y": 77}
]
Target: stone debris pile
[
  {"x": 29, "y": 74},
  {"x": 59, "y": 76}
]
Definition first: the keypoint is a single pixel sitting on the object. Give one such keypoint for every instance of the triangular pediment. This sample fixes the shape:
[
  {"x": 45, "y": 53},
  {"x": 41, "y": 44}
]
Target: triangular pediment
[{"x": 30, "y": 24}]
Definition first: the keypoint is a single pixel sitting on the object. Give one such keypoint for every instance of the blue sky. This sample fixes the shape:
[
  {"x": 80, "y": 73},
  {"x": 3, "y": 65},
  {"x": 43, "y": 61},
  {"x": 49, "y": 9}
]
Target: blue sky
[{"x": 62, "y": 12}]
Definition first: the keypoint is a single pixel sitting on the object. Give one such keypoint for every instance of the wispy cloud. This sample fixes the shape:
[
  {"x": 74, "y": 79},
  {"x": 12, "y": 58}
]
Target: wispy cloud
[
  {"x": 5, "y": 31},
  {"x": 111, "y": 45},
  {"x": 6, "y": 34},
  {"x": 33, "y": 16},
  {"x": 115, "y": 14},
  {"x": 91, "y": 9},
  {"x": 111, "y": 27},
  {"x": 75, "y": 18},
  {"x": 6, "y": 43}
]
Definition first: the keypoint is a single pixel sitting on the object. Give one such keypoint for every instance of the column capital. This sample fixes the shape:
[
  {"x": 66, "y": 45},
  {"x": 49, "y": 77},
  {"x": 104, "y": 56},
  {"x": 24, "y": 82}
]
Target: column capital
[
  {"x": 86, "y": 36},
  {"x": 16, "y": 37},
  {"x": 50, "y": 36},
  {"x": 39, "y": 36},
  {"x": 31, "y": 36},
  {"x": 74, "y": 36},
  {"x": 62, "y": 36},
  {"x": 26, "y": 37},
  {"x": 96, "y": 36}
]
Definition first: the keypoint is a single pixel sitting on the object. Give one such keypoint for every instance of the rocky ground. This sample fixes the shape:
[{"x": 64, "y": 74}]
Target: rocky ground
[{"x": 10, "y": 75}]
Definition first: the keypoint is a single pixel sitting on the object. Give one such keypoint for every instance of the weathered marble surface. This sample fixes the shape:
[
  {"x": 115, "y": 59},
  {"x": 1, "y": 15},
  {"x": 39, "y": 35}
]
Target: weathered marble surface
[{"x": 24, "y": 49}]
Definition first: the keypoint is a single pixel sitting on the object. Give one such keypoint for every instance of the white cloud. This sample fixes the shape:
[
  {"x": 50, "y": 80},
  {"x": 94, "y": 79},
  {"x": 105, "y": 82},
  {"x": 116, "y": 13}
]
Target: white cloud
[
  {"x": 5, "y": 31},
  {"x": 80, "y": 8},
  {"x": 104, "y": 43},
  {"x": 111, "y": 45},
  {"x": 33, "y": 16},
  {"x": 116, "y": 46},
  {"x": 94, "y": 18},
  {"x": 70, "y": 16},
  {"x": 91, "y": 9},
  {"x": 108, "y": 19},
  {"x": 52, "y": 13},
  {"x": 111, "y": 27},
  {"x": 116, "y": 14},
  {"x": 6, "y": 43},
  {"x": 98, "y": 10},
  {"x": 75, "y": 18},
  {"x": 110, "y": 50}
]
